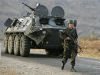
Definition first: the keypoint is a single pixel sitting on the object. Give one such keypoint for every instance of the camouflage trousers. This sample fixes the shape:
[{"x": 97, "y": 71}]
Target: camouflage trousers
[{"x": 70, "y": 51}]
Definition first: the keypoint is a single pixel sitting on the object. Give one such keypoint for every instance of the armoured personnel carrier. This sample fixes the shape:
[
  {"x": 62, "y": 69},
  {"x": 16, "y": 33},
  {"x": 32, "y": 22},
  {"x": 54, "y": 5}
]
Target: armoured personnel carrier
[{"x": 36, "y": 30}]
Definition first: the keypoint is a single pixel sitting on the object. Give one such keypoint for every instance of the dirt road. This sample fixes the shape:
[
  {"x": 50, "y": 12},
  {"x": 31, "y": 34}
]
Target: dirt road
[{"x": 40, "y": 64}]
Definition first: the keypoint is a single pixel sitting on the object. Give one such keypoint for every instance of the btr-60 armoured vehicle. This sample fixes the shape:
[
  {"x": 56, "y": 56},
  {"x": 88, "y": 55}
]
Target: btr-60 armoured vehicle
[{"x": 36, "y": 30}]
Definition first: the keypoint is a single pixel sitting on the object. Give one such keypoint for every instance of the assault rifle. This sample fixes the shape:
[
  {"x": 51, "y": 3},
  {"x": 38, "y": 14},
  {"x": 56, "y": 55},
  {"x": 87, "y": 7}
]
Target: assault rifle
[{"x": 75, "y": 41}]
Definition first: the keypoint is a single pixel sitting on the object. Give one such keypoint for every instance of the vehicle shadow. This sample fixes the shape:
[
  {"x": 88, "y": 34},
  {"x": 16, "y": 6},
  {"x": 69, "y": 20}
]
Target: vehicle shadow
[
  {"x": 43, "y": 56},
  {"x": 37, "y": 58}
]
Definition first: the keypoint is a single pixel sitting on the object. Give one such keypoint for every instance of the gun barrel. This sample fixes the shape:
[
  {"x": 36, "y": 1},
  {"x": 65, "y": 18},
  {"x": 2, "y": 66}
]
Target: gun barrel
[{"x": 29, "y": 7}]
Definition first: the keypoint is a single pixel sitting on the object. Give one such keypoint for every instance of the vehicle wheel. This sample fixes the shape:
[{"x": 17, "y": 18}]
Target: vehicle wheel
[
  {"x": 24, "y": 46},
  {"x": 10, "y": 44},
  {"x": 17, "y": 45},
  {"x": 6, "y": 44}
]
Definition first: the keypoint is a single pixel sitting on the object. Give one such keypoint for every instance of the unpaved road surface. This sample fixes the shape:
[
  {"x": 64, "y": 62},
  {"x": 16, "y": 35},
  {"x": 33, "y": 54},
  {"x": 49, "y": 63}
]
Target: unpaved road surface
[{"x": 40, "y": 64}]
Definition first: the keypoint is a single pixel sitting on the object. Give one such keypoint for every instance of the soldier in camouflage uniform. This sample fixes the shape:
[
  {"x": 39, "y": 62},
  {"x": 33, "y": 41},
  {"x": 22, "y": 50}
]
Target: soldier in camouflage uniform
[{"x": 70, "y": 48}]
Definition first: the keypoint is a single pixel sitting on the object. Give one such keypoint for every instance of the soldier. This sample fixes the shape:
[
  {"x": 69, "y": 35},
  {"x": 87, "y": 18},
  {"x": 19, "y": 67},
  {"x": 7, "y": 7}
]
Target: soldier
[{"x": 70, "y": 47}]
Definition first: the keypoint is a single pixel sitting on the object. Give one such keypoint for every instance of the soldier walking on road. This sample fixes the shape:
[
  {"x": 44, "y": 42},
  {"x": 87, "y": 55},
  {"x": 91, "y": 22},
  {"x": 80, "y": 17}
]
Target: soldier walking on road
[{"x": 70, "y": 47}]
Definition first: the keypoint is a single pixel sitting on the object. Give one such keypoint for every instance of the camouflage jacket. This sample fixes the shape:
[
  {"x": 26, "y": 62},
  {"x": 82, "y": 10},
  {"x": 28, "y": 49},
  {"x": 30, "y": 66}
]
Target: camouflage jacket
[{"x": 70, "y": 35}]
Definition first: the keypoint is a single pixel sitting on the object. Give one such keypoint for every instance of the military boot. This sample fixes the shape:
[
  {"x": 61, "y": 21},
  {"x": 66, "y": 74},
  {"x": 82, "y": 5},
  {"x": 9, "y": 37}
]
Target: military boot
[
  {"x": 73, "y": 69},
  {"x": 62, "y": 65}
]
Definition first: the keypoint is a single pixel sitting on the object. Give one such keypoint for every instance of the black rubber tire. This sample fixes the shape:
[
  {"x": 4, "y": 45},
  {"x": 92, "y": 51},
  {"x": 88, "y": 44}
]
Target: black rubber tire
[
  {"x": 17, "y": 45},
  {"x": 11, "y": 44},
  {"x": 6, "y": 44},
  {"x": 24, "y": 46}
]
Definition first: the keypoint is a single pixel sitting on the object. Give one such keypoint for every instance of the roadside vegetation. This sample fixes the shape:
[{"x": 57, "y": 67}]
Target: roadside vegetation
[{"x": 90, "y": 47}]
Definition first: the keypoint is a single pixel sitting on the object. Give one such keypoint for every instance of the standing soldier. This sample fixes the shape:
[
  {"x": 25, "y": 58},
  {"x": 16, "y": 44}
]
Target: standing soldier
[{"x": 70, "y": 44}]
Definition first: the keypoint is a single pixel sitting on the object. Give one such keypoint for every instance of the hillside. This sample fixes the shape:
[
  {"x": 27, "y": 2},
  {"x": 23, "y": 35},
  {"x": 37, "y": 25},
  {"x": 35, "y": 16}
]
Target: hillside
[{"x": 85, "y": 11}]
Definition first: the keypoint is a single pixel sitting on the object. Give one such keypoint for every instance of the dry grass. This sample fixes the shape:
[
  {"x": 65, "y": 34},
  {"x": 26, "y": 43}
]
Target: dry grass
[
  {"x": 90, "y": 47},
  {"x": 5, "y": 70}
]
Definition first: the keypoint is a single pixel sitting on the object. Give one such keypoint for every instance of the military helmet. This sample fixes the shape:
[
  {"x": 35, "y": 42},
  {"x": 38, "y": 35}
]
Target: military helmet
[{"x": 72, "y": 22}]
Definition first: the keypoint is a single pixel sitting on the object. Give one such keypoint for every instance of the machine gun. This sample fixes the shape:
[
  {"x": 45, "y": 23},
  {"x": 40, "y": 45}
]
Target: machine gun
[{"x": 33, "y": 9}]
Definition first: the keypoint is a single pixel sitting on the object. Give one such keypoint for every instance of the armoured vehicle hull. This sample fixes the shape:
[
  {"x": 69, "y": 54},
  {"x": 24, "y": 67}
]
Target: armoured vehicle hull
[{"x": 35, "y": 31}]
